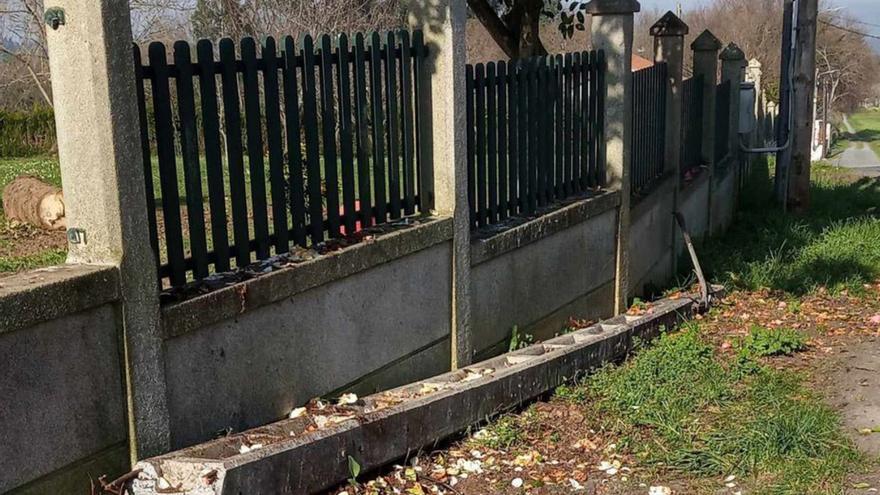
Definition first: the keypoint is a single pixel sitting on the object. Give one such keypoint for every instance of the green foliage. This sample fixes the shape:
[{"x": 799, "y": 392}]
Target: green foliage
[
  {"x": 519, "y": 340},
  {"x": 837, "y": 245},
  {"x": 572, "y": 16},
  {"x": 354, "y": 470},
  {"x": 679, "y": 406},
  {"x": 502, "y": 434},
  {"x": 571, "y": 393},
  {"x": 762, "y": 342},
  {"x": 27, "y": 133}
]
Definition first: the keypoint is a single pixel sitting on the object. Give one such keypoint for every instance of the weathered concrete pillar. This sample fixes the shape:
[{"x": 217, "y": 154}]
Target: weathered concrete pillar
[
  {"x": 102, "y": 171},
  {"x": 669, "y": 33},
  {"x": 733, "y": 64},
  {"x": 706, "y": 48},
  {"x": 445, "y": 138},
  {"x": 612, "y": 32},
  {"x": 754, "y": 74}
]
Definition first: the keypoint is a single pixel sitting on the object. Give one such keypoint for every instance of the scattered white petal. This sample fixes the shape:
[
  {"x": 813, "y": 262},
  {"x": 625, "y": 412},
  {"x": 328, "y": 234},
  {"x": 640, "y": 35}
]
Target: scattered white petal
[
  {"x": 659, "y": 490},
  {"x": 517, "y": 482},
  {"x": 299, "y": 411},
  {"x": 346, "y": 399},
  {"x": 575, "y": 485},
  {"x": 244, "y": 449}
]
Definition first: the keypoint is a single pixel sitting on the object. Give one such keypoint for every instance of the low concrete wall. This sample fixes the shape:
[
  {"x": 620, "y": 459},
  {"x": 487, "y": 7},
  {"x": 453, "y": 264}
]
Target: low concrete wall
[
  {"x": 723, "y": 200},
  {"x": 63, "y": 412},
  {"x": 694, "y": 206},
  {"x": 371, "y": 317},
  {"x": 650, "y": 239},
  {"x": 363, "y": 319},
  {"x": 539, "y": 274}
]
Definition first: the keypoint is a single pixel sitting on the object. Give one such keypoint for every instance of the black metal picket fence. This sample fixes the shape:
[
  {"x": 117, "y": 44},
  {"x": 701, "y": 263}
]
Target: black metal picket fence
[
  {"x": 691, "y": 124},
  {"x": 534, "y": 133},
  {"x": 649, "y": 126},
  {"x": 332, "y": 130},
  {"x": 722, "y": 121}
]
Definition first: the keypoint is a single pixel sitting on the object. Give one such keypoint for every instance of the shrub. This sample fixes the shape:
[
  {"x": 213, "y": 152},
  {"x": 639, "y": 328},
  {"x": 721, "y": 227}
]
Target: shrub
[{"x": 27, "y": 133}]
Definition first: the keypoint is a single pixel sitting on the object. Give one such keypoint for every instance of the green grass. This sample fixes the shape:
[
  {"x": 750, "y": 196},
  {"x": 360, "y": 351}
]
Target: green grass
[
  {"x": 837, "y": 245},
  {"x": 687, "y": 412},
  {"x": 46, "y": 168},
  {"x": 19, "y": 263},
  {"x": 867, "y": 127}
]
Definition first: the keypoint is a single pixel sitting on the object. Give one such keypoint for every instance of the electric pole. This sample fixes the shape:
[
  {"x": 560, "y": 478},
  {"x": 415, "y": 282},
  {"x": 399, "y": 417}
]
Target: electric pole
[{"x": 802, "y": 106}]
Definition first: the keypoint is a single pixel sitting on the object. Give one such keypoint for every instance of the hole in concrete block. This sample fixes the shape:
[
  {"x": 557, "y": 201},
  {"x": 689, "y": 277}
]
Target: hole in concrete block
[
  {"x": 522, "y": 358},
  {"x": 559, "y": 343},
  {"x": 612, "y": 327}
]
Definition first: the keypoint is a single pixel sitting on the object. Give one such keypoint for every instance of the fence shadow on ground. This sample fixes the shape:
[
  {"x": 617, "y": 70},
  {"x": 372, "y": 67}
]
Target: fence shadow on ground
[{"x": 837, "y": 245}]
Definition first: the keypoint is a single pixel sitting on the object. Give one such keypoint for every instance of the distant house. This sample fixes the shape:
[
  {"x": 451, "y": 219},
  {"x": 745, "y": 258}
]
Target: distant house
[{"x": 639, "y": 62}]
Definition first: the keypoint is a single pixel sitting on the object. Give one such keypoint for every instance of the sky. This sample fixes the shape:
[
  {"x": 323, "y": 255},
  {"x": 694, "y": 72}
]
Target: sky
[{"x": 867, "y": 11}]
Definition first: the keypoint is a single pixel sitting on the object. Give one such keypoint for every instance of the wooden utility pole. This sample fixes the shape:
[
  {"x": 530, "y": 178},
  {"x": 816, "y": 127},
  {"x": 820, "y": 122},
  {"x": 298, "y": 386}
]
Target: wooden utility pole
[{"x": 802, "y": 106}]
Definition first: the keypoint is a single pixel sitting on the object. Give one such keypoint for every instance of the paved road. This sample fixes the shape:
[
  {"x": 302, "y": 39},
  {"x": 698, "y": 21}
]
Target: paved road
[{"x": 858, "y": 156}]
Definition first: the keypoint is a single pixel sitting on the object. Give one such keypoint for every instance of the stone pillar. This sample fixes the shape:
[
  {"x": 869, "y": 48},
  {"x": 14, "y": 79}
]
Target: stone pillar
[
  {"x": 706, "y": 48},
  {"x": 669, "y": 33},
  {"x": 733, "y": 64},
  {"x": 445, "y": 138},
  {"x": 753, "y": 74},
  {"x": 612, "y": 32},
  {"x": 102, "y": 171}
]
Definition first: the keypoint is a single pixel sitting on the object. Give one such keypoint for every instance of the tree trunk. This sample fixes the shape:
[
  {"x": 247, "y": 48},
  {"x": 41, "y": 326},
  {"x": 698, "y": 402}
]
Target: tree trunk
[
  {"x": 27, "y": 199},
  {"x": 530, "y": 30},
  {"x": 518, "y": 33}
]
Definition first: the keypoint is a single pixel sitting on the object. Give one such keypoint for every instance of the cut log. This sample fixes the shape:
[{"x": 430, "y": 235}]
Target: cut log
[{"x": 27, "y": 199}]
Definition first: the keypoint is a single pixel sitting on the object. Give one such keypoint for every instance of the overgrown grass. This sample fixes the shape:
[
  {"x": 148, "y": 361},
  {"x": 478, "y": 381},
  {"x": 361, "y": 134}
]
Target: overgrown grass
[
  {"x": 837, "y": 245},
  {"x": 678, "y": 406}
]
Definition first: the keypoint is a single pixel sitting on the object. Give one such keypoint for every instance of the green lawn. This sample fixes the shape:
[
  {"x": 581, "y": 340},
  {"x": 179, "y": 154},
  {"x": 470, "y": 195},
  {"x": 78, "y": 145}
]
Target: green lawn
[{"x": 867, "y": 127}]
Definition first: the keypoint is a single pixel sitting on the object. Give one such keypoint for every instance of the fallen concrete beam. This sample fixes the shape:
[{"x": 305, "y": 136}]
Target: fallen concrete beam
[{"x": 293, "y": 456}]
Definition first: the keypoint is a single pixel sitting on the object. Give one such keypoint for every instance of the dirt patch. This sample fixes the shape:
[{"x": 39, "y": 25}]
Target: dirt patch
[{"x": 22, "y": 241}]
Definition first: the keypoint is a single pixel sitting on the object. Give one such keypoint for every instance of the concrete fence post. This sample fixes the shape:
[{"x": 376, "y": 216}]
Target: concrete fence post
[
  {"x": 733, "y": 64},
  {"x": 706, "y": 48},
  {"x": 445, "y": 147},
  {"x": 669, "y": 33},
  {"x": 90, "y": 59},
  {"x": 753, "y": 75},
  {"x": 612, "y": 31}
]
